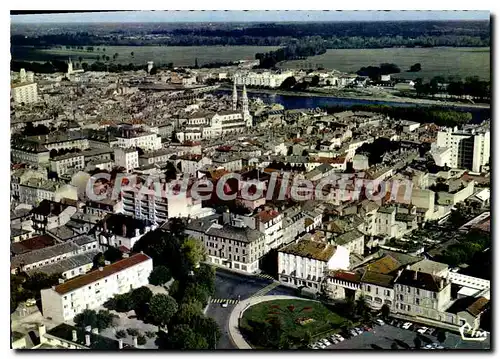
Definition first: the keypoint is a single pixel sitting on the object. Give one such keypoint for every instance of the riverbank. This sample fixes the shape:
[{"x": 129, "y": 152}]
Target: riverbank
[{"x": 351, "y": 96}]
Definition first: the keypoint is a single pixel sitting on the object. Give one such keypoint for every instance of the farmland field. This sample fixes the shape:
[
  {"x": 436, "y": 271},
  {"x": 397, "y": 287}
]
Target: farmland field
[
  {"x": 179, "y": 55},
  {"x": 445, "y": 61}
]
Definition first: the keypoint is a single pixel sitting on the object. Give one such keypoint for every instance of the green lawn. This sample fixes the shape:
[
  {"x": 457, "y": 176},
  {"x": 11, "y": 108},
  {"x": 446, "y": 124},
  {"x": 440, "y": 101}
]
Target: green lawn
[
  {"x": 290, "y": 312},
  {"x": 179, "y": 55},
  {"x": 436, "y": 61}
]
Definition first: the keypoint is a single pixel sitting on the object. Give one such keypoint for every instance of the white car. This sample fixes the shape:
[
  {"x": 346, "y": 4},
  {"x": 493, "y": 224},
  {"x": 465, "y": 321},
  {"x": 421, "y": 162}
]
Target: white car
[
  {"x": 339, "y": 337},
  {"x": 429, "y": 346},
  {"x": 379, "y": 322},
  {"x": 322, "y": 346},
  {"x": 224, "y": 305},
  {"x": 326, "y": 342},
  {"x": 422, "y": 330},
  {"x": 359, "y": 330},
  {"x": 353, "y": 332},
  {"x": 407, "y": 325}
]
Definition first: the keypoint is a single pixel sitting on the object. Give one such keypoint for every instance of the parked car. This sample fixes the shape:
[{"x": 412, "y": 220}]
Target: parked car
[
  {"x": 428, "y": 346},
  {"x": 224, "y": 304},
  {"x": 422, "y": 330},
  {"x": 406, "y": 325},
  {"x": 353, "y": 332},
  {"x": 339, "y": 337},
  {"x": 367, "y": 328},
  {"x": 359, "y": 330},
  {"x": 379, "y": 321}
]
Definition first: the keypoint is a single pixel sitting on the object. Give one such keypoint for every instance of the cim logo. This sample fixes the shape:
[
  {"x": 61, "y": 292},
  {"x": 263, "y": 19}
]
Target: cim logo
[{"x": 471, "y": 335}]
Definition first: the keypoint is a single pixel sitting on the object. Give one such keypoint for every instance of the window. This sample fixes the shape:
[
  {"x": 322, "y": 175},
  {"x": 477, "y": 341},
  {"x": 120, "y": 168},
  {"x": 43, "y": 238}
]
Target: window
[
  {"x": 409, "y": 308},
  {"x": 400, "y": 297},
  {"x": 376, "y": 290},
  {"x": 368, "y": 289},
  {"x": 418, "y": 291},
  {"x": 417, "y": 301}
]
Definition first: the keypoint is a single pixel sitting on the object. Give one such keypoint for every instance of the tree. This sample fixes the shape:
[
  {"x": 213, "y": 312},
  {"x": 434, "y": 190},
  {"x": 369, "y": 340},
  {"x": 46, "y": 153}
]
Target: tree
[
  {"x": 132, "y": 54},
  {"x": 441, "y": 336},
  {"x": 194, "y": 251},
  {"x": 133, "y": 332},
  {"x": 105, "y": 319},
  {"x": 85, "y": 318},
  {"x": 187, "y": 312},
  {"x": 113, "y": 254},
  {"x": 141, "y": 340},
  {"x": 288, "y": 83},
  {"x": 208, "y": 328},
  {"x": 182, "y": 337},
  {"x": 153, "y": 71},
  {"x": 418, "y": 342},
  {"x": 141, "y": 296},
  {"x": 98, "y": 260},
  {"x": 415, "y": 68},
  {"x": 315, "y": 81},
  {"x": 160, "y": 275},
  {"x": 385, "y": 311},
  {"x": 394, "y": 346},
  {"x": 161, "y": 309},
  {"x": 361, "y": 306},
  {"x": 120, "y": 334}
]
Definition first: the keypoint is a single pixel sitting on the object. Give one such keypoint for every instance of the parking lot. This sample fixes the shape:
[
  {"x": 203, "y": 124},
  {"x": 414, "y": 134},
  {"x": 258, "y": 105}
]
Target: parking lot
[{"x": 383, "y": 337}]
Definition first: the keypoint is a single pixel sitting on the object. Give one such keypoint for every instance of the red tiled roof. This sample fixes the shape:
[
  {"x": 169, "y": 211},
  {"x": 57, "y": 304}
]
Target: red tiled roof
[
  {"x": 96, "y": 275},
  {"x": 347, "y": 276}
]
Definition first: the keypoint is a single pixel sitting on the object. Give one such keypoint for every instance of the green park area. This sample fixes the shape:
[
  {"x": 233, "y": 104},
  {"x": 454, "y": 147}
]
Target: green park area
[{"x": 287, "y": 324}]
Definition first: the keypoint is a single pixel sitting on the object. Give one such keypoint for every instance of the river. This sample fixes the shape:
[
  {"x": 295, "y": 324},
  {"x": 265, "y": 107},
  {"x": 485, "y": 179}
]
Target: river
[{"x": 291, "y": 102}]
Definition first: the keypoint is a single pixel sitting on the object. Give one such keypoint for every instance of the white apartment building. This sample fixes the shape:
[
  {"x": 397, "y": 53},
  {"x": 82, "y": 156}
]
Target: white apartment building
[
  {"x": 127, "y": 158},
  {"x": 214, "y": 125},
  {"x": 145, "y": 140},
  {"x": 270, "y": 223},
  {"x": 63, "y": 164},
  {"x": 469, "y": 149},
  {"x": 265, "y": 78},
  {"x": 30, "y": 154},
  {"x": 304, "y": 263},
  {"x": 62, "y": 302},
  {"x": 25, "y": 92}
]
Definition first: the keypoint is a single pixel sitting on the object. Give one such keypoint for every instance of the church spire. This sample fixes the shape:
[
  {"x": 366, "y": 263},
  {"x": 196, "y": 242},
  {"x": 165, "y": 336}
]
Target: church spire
[{"x": 235, "y": 97}]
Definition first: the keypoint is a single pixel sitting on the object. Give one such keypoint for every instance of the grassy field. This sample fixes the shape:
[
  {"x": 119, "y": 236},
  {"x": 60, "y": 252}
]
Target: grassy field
[
  {"x": 447, "y": 61},
  {"x": 291, "y": 312},
  {"x": 179, "y": 55}
]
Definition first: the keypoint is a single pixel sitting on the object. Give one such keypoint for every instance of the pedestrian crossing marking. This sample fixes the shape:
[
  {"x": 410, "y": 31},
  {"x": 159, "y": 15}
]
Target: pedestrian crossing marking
[
  {"x": 265, "y": 276},
  {"x": 265, "y": 290},
  {"x": 222, "y": 300}
]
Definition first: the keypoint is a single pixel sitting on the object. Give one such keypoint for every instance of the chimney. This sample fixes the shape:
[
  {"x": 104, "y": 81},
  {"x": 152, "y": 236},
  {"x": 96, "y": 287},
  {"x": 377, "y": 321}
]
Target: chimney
[
  {"x": 415, "y": 275},
  {"x": 105, "y": 226},
  {"x": 124, "y": 230},
  {"x": 87, "y": 340},
  {"x": 408, "y": 267},
  {"x": 226, "y": 217},
  {"x": 61, "y": 280},
  {"x": 135, "y": 342},
  {"x": 137, "y": 232},
  {"x": 75, "y": 338},
  {"x": 120, "y": 343}
]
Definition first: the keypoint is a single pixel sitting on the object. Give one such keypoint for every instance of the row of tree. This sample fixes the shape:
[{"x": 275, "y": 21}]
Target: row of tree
[
  {"x": 335, "y": 34},
  {"x": 297, "y": 50},
  {"x": 472, "y": 86},
  {"x": 439, "y": 116}
]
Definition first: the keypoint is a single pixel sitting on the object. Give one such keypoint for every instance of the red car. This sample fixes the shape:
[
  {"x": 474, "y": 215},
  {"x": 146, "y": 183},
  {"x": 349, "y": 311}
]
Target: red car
[{"x": 367, "y": 328}]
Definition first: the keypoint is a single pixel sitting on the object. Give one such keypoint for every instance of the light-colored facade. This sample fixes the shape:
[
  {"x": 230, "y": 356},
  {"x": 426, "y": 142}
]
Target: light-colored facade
[
  {"x": 25, "y": 93},
  {"x": 127, "y": 158},
  {"x": 232, "y": 244},
  {"x": 469, "y": 149},
  {"x": 265, "y": 79},
  {"x": 304, "y": 263},
  {"x": 146, "y": 141},
  {"x": 62, "y": 302},
  {"x": 63, "y": 164}
]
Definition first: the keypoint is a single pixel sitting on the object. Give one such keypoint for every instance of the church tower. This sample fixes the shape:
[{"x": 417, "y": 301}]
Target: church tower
[
  {"x": 70, "y": 66},
  {"x": 235, "y": 97},
  {"x": 246, "y": 113}
]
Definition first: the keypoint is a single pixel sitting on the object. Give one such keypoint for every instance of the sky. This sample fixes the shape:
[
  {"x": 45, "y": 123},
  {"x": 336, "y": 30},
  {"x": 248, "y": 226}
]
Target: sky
[{"x": 249, "y": 16}]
